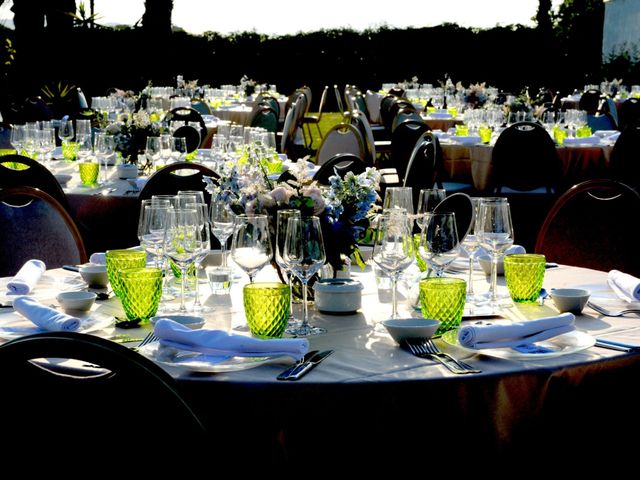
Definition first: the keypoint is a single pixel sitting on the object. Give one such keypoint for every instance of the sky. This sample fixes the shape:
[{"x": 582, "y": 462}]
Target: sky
[{"x": 278, "y": 17}]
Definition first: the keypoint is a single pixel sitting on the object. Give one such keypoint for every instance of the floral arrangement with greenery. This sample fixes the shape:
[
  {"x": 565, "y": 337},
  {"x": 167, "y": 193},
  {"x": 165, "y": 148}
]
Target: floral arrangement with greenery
[
  {"x": 475, "y": 95},
  {"x": 345, "y": 208},
  {"x": 130, "y": 134}
]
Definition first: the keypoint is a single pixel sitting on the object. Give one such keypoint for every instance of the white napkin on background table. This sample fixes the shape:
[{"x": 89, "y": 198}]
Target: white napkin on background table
[
  {"x": 626, "y": 286},
  {"x": 27, "y": 277},
  {"x": 45, "y": 317},
  {"x": 515, "y": 334},
  {"x": 592, "y": 140},
  {"x": 223, "y": 344}
]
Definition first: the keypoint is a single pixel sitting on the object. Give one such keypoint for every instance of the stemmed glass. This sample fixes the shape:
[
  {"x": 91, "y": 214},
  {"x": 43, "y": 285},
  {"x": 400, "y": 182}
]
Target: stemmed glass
[
  {"x": 471, "y": 244},
  {"x": 304, "y": 255},
  {"x": 427, "y": 201},
  {"x": 221, "y": 218},
  {"x": 152, "y": 152},
  {"x": 282, "y": 220},
  {"x": 251, "y": 244},
  {"x": 182, "y": 243},
  {"x": 439, "y": 244},
  {"x": 204, "y": 227},
  {"x": 399, "y": 198},
  {"x": 153, "y": 223},
  {"x": 105, "y": 148},
  {"x": 393, "y": 248},
  {"x": 18, "y": 134},
  {"x": 495, "y": 233},
  {"x": 65, "y": 131}
]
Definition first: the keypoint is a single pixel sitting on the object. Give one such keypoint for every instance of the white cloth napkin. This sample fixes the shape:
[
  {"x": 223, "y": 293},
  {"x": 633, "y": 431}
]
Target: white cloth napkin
[
  {"x": 98, "y": 258},
  {"x": 221, "y": 344},
  {"x": 27, "y": 277},
  {"x": 592, "y": 140},
  {"x": 45, "y": 317},
  {"x": 626, "y": 286},
  {"x": 515, "y": 334}
]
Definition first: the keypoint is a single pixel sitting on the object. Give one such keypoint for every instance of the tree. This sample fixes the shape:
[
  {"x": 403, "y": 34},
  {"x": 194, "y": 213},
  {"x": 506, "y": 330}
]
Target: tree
[
  {"x": 156, "y": 19},
  {"x": 543, "y": 17}
]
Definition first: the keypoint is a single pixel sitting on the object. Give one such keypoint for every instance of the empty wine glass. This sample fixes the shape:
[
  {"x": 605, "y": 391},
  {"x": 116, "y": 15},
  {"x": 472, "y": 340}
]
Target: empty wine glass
[
  {"x": 105, "y": 149},
  {"x": 204, "y": 227},
  {"x": 393, "y": 248},
  {"x": 251, "y": 245},
  {"x": 427, "y": 201},
  {"x": 495, "y": 233},
  {"x": 282, "y": 220},
  {"x": 399, "y": 198},
  {"x": 18, "y": 134},
  {"x": 471, "y": 244},
  {"x": 65, "y": 131},
  {"x": 152, "y": 226},
  {"x": 439, "y": 244},
  {"x": 221, "y": 218},
  {"x": 304, "y": 255}
]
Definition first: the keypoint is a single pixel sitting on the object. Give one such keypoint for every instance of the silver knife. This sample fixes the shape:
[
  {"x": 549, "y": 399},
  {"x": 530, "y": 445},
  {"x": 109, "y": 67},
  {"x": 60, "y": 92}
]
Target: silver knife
[
  {"x": 284, "y": 375},
  {"x": 305, "y": 367},
  {"x": 612, "y": 344}
]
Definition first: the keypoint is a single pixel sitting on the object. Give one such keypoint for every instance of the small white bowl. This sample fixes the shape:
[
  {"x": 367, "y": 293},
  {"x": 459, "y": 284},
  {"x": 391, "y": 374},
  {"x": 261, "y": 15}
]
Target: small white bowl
[
  {"x": 485, "y": 264},
  {"x": 192, "y": 321},
  {"x": 415, "y": 327},
  {"x": 79, "y": 301},
  {"x": 95, "y": 275},
  {"x": 569, "y": 299}
]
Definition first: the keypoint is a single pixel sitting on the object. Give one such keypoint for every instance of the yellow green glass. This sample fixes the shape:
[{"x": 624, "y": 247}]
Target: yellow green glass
[
  {"x": 462, "y": 130},
  {"x": 443, "y": 299},
  {"x": 431, "y": 110},
  {"x": 7, "y": 151},
  {"x": 118, "y": 260},
  {"x": 559, "y": 134},
  {"x": 453, "y": 111},
  {"x": 88, "y": 173},
  {"x": 70, "y": 150},
  {"x": 141, "y": 289},
  {"x": 485, "y": 134},
  {"x": 272, "y": 165},
  {"x": 524, "y": 274},
  {"x": 584, "y": 131},
  {"x": 266, "y": 306}
]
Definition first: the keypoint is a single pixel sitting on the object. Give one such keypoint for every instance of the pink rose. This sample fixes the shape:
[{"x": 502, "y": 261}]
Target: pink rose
[
  {"x": 281, "y": 194},
  {"x": 316, "y": 195}
]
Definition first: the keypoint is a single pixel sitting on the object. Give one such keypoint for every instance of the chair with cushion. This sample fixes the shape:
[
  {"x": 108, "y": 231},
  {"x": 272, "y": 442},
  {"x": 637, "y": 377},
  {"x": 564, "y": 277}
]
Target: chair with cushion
[
  {"x": 403, "y": 141},
  {"x": 34, "y": 175},
  {"x": 265, "y": 117},
  {"x": 87, "y": 407},
  {"x": 309, "y": 120},
  {"x": 592, "y": 225},
  {"x": 341, "y": 138},
  {"x": 271, "y": 101},
  {"x": 201, "y": 107},
  {"x": 590, "y": 101},
  {"x": 625, "y": 159},
  {"x": 339, "y": 165},
  {"x": 630, "y": 113},
  {"x": 187, "y": 114},
  {"x": 175, "y": 177},
  {"x": 35, "y": 225}
]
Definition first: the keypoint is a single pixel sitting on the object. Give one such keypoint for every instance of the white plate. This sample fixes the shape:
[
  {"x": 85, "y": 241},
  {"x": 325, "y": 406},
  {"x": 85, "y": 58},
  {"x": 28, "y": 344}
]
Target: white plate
[
  {"x": 564, "y": 344},
  {"x": 20, "y": 326},
  {"x": 172, "y": 357}
]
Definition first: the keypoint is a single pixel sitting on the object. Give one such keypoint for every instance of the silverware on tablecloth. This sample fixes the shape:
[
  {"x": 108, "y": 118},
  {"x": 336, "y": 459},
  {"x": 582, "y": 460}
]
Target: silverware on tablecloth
[
  {"x": 71, "y": 268},
  {"x": 611, "y": 313},
  {"x": 285, "y": 374},
  {"x": 310, "y": 364},
  {"x": 613, "y": 345},
  {"x": 418, "y": 347}
]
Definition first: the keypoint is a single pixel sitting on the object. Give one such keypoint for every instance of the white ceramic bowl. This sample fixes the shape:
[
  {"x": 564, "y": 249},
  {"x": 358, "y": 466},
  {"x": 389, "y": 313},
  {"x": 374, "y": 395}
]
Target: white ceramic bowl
[
  {"x": 94, "y": 275},
  {"x": 415, "y": 327},
  {"x": 569, "y": 299},
  {"x": 192, "y": 321},
  {"x": 485, "y": 264},
  {"x": 338, "y": 295},
  {"x": 78, "y": 300}
]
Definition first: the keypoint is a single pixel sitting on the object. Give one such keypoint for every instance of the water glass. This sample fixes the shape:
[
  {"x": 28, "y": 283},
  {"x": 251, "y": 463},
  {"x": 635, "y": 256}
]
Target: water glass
[
  {"x": 141, "y": 289},
  {"x": 266, "y": 305},
  {"x": 524, "y": 274},
  {"x": 118, "y": 260},
  {"x": 443, "y": 298},
  {"x": 89, "y": 173}
]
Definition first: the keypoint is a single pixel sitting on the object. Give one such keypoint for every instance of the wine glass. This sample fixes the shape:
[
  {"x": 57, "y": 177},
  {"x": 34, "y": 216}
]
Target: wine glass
[
  {"x": 204, "y": 227},
  {"x": 304, "y": 255},
  {"x": 471, "y": 244},
  {"x": 85, "y": 146},
  {"x": 178, "y": 149},
  {"x": 65, "y": 131},
  {"x": 393, "y": 248},
  {"x": 152, "y": 225},
  {"x": 105, "y": 148},
  {"x": 182, "y": 243},
  {"x": 495, "y": 233},
  {"x": 18, "y": 134},
  {"x": 439, "y": 244},
  {"x": 251, "y": 243},
  {"x": 221, "y": 218},
  {"x": 282, "y": 219},
  {"x": 427, "y": 201},
  {"x": 152, "y": 151},
  {"x": 399, "y": 198}
]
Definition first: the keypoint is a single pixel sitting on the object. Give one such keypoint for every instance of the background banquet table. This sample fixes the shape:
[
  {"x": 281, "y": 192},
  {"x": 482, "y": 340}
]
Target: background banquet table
[{"x": 371, "y": 397}]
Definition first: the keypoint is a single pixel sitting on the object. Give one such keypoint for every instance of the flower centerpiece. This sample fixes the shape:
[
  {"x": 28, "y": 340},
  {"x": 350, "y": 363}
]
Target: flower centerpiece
[
  {"x": 475, "y": 95},
  {"x": 130, "y": 135},
  {"x": 345, "y": 208}
]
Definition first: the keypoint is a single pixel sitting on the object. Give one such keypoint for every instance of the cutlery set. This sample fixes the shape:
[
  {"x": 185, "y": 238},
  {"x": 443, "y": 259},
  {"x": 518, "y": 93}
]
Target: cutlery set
[{"x": 308, "y": 362}]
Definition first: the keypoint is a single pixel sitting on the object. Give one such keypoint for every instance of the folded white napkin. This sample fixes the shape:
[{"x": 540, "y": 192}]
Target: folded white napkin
[
  {"x": 27, "y": 277},
  {"x": 440, "y": 116},
  {"x": 45, "y": 317},
  {"x": 626, "y": 286},
  {"x": 592, "y": 140},
  {"x": 221, "y": 344},
  {"x": 515, "y": 334},
  {"x": 98, "y": 258}
]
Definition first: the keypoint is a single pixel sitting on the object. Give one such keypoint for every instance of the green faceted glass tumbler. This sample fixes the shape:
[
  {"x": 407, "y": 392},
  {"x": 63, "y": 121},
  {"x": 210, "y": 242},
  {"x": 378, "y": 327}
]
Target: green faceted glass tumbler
[
  {"x": 443, "y": 298},
  {"x": 266, "y": 306},
  {"x": 141, "y": 292},
  {"x": 118, "y": 260},
  {"x": 524, "y": 274}
]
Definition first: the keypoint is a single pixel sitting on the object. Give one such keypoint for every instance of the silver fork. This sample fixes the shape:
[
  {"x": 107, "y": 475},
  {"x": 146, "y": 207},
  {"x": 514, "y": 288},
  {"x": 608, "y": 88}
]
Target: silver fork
[
  {"x": 433, "y": 349},
  {"x": 612, "y": 313},
  {"x": 151, "y": 337},
  {"x": 418, "y": 350}
]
